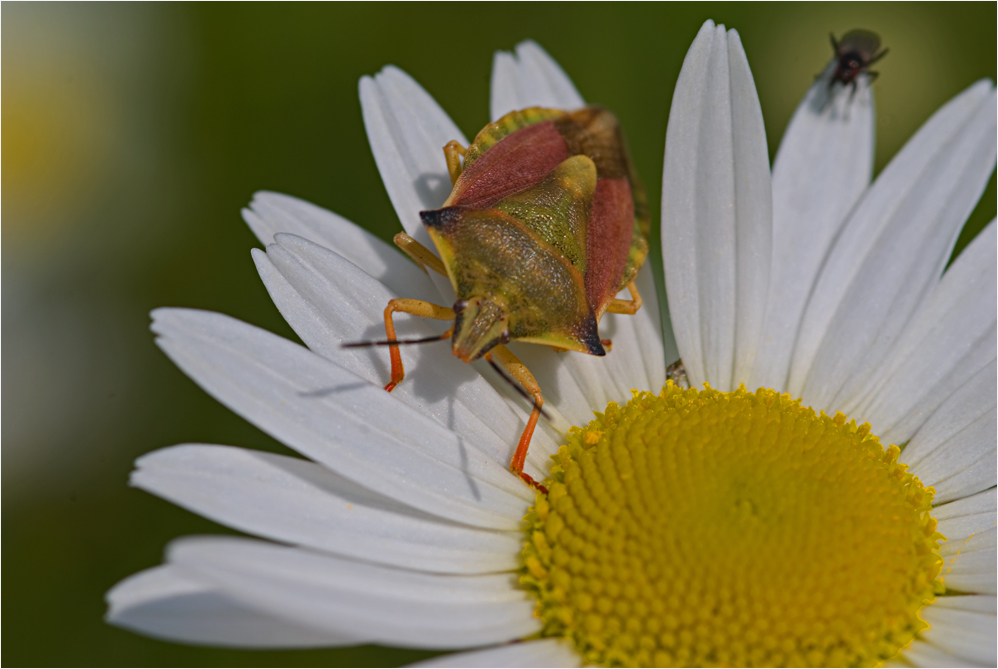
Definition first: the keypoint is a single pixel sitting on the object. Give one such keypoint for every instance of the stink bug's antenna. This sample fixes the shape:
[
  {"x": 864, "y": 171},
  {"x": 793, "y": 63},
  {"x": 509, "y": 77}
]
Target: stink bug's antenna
[
  {"x": 398, "y": 342},
  {"x": 523, "y": 393}
]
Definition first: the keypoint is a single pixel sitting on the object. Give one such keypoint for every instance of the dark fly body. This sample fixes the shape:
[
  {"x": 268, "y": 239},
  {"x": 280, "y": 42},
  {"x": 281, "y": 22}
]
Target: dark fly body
[{"x": 854, "y": 53}]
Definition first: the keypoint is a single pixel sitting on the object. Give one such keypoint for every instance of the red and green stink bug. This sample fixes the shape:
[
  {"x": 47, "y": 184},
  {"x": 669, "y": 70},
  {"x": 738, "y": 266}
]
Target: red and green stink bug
[{"x": 546, "y": 223}]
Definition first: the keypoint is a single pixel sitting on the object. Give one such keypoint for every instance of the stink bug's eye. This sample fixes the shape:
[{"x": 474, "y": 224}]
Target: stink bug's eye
[
  {"x": 505, "y": 337},
  {"x": 460, "y": 306}
]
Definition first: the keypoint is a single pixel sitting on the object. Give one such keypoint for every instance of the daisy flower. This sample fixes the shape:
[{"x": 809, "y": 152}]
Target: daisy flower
[{"x": 709, "y": 525}]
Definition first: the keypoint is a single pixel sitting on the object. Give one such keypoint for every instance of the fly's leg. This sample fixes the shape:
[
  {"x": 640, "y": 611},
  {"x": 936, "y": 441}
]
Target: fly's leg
[
  {"x": 630, "y": 306},
  {"x": 453, "y": 152},
  {"x": 877, "y": 57},
  {"x": 416, "y": 308},
  {"x": 522, "y": 375},
  {"x": 421, "y": 255}
]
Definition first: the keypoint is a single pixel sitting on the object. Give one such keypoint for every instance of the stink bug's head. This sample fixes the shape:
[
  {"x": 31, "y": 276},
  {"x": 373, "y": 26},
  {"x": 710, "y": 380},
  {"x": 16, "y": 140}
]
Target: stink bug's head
[{"x": 481, "y": 324}]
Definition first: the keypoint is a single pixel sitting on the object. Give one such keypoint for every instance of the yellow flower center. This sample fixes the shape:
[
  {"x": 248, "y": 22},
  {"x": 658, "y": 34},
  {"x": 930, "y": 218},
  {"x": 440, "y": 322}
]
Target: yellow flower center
[{"x": 700, "y": 528}]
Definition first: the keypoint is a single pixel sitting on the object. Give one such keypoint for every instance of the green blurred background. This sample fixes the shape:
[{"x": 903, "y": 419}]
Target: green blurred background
[{"x": 132, "y": 136}]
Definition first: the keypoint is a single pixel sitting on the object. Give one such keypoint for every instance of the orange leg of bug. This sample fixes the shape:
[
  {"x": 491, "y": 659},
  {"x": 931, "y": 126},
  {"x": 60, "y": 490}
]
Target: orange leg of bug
[
  {"x": 522, "y": 375},
  {"x": 630, "y": 306},
  {"x": 453, "y": 152},
  {"x": 421, "y": 255},
  {"x": 416, "y": 308}
]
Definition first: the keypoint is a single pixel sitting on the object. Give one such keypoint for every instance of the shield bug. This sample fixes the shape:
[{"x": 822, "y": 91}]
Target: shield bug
[
  {"x": 545, "y": 224},
  {"x": 854, "y": 53}
]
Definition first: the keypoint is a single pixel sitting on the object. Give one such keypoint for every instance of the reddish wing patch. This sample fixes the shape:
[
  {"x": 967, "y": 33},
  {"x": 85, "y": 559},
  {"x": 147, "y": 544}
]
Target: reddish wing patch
[
  {"x": 609, "y": 241},
  {"x": 517, "y": 162}
]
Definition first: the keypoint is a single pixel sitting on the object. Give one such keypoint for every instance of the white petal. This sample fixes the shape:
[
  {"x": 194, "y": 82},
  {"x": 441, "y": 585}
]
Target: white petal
[
  {"x": 977, "y": 603},
  {"x": 969, "y": 551},
  {"x": 923, "y": 654},
  {"x": 340, "y": 420},
  {"x": 329, "y": 301},
  {"x": 164, "y": 604},
  {"x": 973, "y": 554},
  {"x": 824, "y": 164},
  {"x": 689, "y": 218},
  {"x": 966, "y": 517},
  {"x": 968, "y": 506},
  {"x": 382, "y": 605},
  {"x": 969, "y": 635},
  {"x": 965, "y": 464},
  {"x": 974, "y": 400},
  {"x": 893, "y": 249},
  {"x": 638, "y": 359},
  {"x": 954, "y": 451},
  {"x": 950, "y": 339},
  {"x": 530, "y": 78},
  {"x": 408, "y": 130},
  {"x": 961, "y": 547},
  {"x": 981, "y": 581},
  {"x": 753, "y": 210},
  {"x": 539, "y": 653},
  {"x": 299, "y": 502},
  {"x": 716, "y": 211},
  {"x": 504, "y": 95},
  {"x": 969, "y": 565},
  {"x": 272, "y": 213},
  {"x": 972, "y": 476}
]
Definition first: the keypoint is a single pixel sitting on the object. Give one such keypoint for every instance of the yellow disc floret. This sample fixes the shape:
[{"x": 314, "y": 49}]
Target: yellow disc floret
[{"x": 701, "y": 528}]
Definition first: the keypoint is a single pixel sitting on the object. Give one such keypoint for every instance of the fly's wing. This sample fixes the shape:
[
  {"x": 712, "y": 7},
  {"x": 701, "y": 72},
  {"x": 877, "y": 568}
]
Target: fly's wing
[
  {"x": 864, "y": 42},
  {"x": 617, "y": 235}
]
